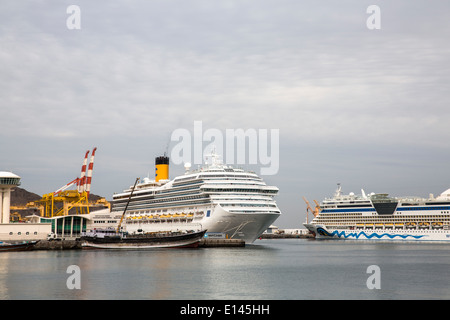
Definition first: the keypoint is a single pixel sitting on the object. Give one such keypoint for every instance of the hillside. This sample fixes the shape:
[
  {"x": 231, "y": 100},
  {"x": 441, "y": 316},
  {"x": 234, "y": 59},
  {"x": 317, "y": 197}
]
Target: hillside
[{"x": 20, "y": 197}]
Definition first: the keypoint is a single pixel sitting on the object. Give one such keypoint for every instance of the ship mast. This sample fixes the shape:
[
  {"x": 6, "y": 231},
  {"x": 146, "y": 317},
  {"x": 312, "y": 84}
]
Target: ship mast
[{"x": 128, "y": 202}]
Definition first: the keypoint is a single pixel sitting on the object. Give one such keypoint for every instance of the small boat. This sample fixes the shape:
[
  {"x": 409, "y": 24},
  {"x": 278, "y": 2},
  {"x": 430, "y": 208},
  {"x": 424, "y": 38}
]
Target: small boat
[
  {"x": 424, "y": 225},
  {"x": 411, "y": 225},
  {"x": 17, "y": 246},
  {"x": 113, "y": 240},
  {"x": 437, "y": 225}
]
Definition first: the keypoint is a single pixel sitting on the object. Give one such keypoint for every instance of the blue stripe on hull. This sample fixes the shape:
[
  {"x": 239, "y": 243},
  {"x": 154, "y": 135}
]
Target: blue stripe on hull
[{"x": 356, "y": 235}]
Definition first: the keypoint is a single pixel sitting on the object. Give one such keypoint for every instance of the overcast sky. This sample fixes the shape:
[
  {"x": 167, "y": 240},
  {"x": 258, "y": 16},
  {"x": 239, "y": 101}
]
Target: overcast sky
[{"x": 364, "y": 108}]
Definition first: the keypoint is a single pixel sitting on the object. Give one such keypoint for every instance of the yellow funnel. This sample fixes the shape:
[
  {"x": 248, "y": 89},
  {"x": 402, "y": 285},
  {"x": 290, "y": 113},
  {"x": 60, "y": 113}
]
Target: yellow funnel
[{"x": 162, "y": 168}]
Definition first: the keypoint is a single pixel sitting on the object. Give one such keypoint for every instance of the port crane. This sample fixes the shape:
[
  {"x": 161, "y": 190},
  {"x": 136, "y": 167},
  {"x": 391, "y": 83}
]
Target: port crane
[
  {"x": 314, "y": 212},
  {"x": 61, "y": 201}
]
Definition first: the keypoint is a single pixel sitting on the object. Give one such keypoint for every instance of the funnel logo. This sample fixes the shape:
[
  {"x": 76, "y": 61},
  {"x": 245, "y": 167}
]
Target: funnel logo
[{"x": 238, "y": 146}]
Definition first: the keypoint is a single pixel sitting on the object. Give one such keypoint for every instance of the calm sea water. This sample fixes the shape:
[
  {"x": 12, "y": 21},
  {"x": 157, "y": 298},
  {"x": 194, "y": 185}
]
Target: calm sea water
[{"x": 268, "y": 269}]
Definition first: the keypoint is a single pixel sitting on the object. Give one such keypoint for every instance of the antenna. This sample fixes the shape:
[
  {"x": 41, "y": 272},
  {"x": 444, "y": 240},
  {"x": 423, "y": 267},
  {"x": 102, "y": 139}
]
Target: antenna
[{"x": 338, "y": 191}]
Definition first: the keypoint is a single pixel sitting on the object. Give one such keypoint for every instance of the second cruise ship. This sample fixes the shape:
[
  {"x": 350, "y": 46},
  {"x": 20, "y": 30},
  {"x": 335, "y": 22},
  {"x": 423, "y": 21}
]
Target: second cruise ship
[
  {"x": 223, "y": 200},
  {"x": 380, "y": 217}
]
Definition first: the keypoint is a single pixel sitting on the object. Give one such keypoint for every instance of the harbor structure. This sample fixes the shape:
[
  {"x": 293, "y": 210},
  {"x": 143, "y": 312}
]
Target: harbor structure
[
  {"x": 16, "y": 231},
  {"x": 67, "y": 211},
  {"x": 8, "y": 181},
  {"x": 63, "y": 202}
]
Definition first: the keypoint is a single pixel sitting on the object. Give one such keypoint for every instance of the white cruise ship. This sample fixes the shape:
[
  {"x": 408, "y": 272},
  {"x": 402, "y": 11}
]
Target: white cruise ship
[
  {"x": 218, "y": 198},
  {"x": 380, "y": 217}
]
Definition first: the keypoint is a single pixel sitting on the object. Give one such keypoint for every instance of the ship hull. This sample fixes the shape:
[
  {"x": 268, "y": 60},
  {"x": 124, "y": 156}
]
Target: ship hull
[
  {"x": 243, "y": 226},
  {"x": 235, "y": 225},
  {"x": 322, "y": 232},
  {"x": 25, "y": 246},
  {"x": 185, "y": 240}
]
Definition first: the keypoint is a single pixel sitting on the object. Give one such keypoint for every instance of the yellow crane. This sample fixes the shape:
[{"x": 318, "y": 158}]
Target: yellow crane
[
  {"x": 317, "y": 208},
  {"x": 61, "y": 201},
  {"x": 314, "y": 212}
]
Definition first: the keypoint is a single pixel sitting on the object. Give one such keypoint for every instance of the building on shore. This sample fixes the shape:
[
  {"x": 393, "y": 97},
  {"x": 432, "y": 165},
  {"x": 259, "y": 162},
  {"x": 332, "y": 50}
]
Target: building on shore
[{"x": 16, "y": 231}]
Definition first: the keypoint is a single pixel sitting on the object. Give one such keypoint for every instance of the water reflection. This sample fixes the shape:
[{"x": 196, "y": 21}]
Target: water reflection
[{"x": 269, "y": 269}]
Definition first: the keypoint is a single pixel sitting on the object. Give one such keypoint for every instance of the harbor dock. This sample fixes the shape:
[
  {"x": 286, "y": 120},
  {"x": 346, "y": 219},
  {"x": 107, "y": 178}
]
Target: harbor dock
[
  {"x": 76, "y": 244},
  {"x": 285, "y": 236},
  {"x": 58, "y": 245},
  {"x": 215, "y": 243}
]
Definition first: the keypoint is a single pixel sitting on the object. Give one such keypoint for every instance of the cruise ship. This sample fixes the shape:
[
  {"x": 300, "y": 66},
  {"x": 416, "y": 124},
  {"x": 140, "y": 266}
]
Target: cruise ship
[
  {"x": 381, "y": 217},
  {"x": 225, "y": 201}
]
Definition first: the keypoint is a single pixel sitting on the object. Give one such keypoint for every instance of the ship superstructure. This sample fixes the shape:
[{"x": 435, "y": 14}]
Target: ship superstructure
[
  {"x": 216, "y": 197},
  {"x": 379, "y": 216}
]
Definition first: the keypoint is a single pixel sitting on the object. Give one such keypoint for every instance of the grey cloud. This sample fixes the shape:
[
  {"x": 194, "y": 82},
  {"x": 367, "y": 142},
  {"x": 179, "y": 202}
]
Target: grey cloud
[{"x": 138, "y": 70}]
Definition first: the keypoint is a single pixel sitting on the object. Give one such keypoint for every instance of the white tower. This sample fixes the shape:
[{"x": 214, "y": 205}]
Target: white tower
[{"x": 8, "y": 181}]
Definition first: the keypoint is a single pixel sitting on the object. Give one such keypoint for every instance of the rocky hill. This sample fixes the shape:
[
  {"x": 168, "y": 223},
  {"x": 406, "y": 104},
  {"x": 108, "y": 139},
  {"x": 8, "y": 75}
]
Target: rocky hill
[{"x": 20, "y": 197}]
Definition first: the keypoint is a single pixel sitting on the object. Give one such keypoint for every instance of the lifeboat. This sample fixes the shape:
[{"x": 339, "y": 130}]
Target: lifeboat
[
  {"x": 437, "y": 225},
  {"x": 424, "y": 225},
  {"x": 178, "y": 215},
  {"x": 411, "y": 225}
]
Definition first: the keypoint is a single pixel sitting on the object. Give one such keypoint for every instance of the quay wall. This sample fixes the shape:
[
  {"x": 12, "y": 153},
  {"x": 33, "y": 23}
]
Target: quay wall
[{"x": 76, "y": 244}]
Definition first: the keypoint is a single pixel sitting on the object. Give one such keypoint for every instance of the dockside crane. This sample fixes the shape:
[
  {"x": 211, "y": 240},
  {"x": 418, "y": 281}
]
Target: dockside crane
[
  {"x": 61, "y": 201},
  {"x": 314, "y": 212},
  {"x": 308, "y": 208},
  {"x": 317, "y": 209}
]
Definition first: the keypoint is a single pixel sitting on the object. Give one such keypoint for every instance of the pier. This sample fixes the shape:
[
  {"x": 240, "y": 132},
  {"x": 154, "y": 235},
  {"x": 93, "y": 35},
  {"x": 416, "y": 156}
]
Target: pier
[
  {"x": 76, "y": 244},
  {"x": 286, "y": 236},
  {"x": 216, "y": 243},
  {"x": 58, "y": 245}
]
